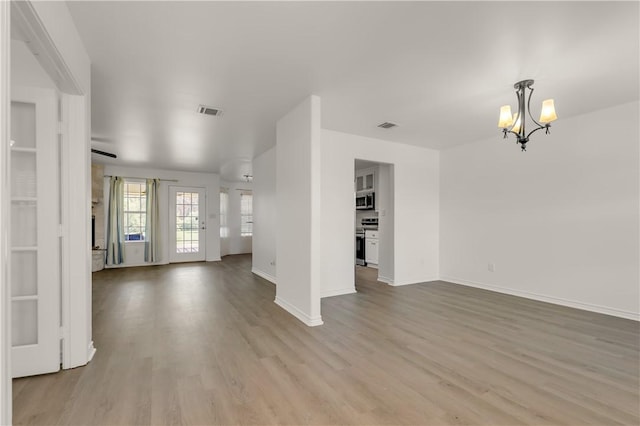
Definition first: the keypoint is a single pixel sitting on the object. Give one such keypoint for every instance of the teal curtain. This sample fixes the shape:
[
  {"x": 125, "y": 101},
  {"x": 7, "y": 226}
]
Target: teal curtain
[
  {"x": 152, "y": 233},
  {"x": 115, "y": 228}
]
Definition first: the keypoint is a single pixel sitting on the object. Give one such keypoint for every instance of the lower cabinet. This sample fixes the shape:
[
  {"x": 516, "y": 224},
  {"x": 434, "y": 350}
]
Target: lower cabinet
[{"x": 371, "y": 247}]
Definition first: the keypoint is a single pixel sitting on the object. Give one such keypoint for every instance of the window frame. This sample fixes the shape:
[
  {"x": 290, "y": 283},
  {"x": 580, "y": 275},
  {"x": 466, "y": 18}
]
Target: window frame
[
  {"x": 224, "y": 213},
  {"x": 246, "y": 219},
  {"x": 141, "y": 212}
]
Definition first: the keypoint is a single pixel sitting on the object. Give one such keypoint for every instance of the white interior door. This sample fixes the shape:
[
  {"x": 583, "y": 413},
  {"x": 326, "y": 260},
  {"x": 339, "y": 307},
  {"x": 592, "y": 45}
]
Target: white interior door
[
  {"x": 34, "y": 239},
  {"x": 187, "y": 224}
]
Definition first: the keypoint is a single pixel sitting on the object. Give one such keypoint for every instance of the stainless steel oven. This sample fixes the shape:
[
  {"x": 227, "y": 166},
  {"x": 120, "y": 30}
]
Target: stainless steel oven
[{"x": 360, "y": 247}]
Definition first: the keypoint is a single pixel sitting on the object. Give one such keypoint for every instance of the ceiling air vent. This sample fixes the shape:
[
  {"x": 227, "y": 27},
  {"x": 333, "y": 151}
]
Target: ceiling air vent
[
  {"x": 216, "y": 112},
  {"x": 387, "y": 125}
]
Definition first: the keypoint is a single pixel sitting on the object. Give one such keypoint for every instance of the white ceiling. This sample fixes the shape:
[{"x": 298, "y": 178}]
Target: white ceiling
[{"x": 440, "y": 70}]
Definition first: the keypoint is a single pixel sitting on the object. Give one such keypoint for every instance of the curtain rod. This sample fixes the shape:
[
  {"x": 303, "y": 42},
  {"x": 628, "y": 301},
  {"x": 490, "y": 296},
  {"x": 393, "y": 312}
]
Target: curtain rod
[{"x": 133, "y": 177}]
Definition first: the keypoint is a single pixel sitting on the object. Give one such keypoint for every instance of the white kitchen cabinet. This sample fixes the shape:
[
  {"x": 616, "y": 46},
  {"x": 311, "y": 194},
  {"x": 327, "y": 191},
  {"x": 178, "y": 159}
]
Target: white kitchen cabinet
[
  {"x": 371, "y": 247},
  {"x": 365, "y": 180}
]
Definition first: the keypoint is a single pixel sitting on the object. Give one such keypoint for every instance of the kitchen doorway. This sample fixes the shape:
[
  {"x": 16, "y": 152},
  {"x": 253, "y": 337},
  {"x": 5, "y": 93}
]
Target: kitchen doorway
[{"x": 373, "y": 221}]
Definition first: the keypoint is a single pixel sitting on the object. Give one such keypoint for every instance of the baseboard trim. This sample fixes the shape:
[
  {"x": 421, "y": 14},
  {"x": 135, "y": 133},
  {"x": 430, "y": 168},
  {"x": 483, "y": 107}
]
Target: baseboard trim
[
  {"x": 264, "y": 275},
  {"x": 306, "y": 319},
  {"x": 134, "y": 265},
  {"x": 91, "y": 351},
  {"x": 385, "y": 280},
  {"x": 338, "y": 292},
  {"x": 549, "y": 299},
  {"x": 412, "y": 282}
]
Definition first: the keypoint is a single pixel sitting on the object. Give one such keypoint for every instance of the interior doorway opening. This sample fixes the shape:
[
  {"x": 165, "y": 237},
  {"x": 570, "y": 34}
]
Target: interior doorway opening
[{"x": 373, "y": 221}]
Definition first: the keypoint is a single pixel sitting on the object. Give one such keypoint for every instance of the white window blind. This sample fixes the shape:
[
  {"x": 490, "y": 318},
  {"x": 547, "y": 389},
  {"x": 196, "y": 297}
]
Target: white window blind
[
  {"x": 246, "y": 214},
  {"x": 224, "y": 208}
]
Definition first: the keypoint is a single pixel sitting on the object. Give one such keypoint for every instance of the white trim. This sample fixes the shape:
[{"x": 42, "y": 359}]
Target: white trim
[
  {"x": 385, "y": 280},
  {"x": 65, "y": 264},
  {"x": 310, "y": 321},
  {"x": 411, "y": 282},
  {"x": 338, "y": 292},
  {"x": 91, "y": 351},
  {"x": 6, "y": 402},
  {"x": 549, "y": 299},
  {"x": 77, "y": 211},
  {"x": 135, "y": 265},
  {"x": 28, "y": 22},
  {"x": 264, "y": 275}
]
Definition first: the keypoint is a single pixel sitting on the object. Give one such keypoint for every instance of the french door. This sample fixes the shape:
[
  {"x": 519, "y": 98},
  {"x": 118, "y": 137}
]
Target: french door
[
  {"x": 34, "y": 232},
  {"x": 187, "y": 224}
]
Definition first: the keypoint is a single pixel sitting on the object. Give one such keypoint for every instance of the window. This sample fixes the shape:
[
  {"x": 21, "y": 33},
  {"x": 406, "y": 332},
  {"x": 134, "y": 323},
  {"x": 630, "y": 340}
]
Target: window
[
  {"x": 224, "y": 206},
  {"x": 135, "y": 210},
  {"x": 246, "y": 214}
]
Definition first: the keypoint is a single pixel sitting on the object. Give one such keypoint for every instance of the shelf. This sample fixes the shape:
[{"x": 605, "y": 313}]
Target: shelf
[
  {"x": 25, "y": 248},
  {"x": 23, "y": 149},
  {"x": 24, "y": 298}
]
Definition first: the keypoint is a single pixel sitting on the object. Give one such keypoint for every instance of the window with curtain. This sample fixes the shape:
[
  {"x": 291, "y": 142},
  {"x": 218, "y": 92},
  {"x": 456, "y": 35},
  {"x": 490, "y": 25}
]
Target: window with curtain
[
  {"x": 224, "y": 208},
  {"x": 135, "y": 210},
  {"x": 246, "y": 214}
]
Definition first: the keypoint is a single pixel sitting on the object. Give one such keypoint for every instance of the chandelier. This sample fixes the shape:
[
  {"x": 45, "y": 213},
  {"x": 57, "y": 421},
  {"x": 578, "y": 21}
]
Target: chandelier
[{"x": 516, "y": 124}]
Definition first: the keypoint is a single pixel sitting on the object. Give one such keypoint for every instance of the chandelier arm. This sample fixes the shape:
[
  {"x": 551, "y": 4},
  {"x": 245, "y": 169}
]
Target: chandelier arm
[
  {"x": 538, "y": 128},
  {"x": 510, "y": 129},
  {"x": 529, "y": 110}
]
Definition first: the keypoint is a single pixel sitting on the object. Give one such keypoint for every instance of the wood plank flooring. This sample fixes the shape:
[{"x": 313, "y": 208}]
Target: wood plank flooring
[{"x": 204, "y": 343}]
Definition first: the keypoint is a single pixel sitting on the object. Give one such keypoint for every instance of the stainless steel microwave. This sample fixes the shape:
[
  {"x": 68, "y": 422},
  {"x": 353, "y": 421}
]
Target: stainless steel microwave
[{"x": 365, "y": 201}]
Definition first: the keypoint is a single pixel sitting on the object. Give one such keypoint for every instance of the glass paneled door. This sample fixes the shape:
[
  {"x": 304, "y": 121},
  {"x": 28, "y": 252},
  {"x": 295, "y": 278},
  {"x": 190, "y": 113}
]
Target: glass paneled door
[
  {"x": 34, "y": 238},
  {"x": 188, "y": 224}
]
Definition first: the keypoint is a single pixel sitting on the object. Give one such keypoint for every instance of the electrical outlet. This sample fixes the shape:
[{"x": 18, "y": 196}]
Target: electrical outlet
[
  {"x": 272, "y": 263},
  {"x": 491, "y": 267}
]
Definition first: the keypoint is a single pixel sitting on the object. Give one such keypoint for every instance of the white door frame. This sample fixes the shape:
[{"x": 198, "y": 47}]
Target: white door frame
[
  {"x": 76, "y": 288},
  {"x": 202, "y": 211},
  {"x": 5, "y": 299}
]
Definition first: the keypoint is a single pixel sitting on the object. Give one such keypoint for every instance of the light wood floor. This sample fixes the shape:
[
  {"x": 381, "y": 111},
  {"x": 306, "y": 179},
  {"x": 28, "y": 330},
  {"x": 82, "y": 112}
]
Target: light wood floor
[{"x": 205, "y": 344}]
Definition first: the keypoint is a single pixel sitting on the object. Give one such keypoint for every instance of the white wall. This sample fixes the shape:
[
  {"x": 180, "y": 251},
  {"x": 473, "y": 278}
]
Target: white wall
[
  {"x": 264, "y": 215},
  {"x": 297, "y": 201},
  {"x": 560, "y": 221},
  {"x": 235, "y": 243},
  {"x": 134, "y": 251},
  {"x": 415, "y": 239},
  {"x": 386, "y": 222}
]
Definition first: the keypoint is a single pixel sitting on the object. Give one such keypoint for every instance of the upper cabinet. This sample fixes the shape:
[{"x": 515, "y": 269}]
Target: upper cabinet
[{"x": 365, "y": 180}]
